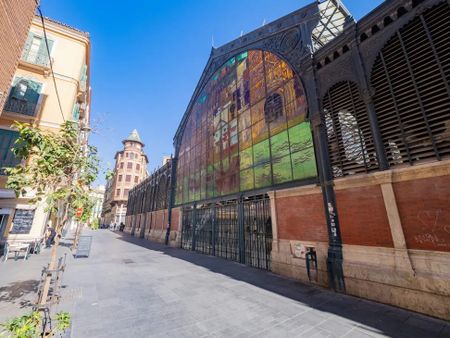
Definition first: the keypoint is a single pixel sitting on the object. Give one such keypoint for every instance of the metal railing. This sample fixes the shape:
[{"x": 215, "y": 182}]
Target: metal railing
[
  {"x": 39, "y": 58},
  {"x": 24, "y": 107},
  {"x": 240, "y": 230}
]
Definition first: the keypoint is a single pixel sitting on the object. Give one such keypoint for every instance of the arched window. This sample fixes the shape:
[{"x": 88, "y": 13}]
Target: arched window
[
  {"x": 350, "y": 144},
  {"x": 411, "y": 78},
  {"x": 161, "y": 197},
  {"x": 245, "y": 130}
]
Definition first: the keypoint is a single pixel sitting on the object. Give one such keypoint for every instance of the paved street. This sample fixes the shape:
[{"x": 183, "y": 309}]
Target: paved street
[{"x": 132, "y": 288}]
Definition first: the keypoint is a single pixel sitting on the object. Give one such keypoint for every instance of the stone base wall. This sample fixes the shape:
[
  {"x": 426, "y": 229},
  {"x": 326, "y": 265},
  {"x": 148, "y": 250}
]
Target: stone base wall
[
  {"x": 286, "y": 262},
  {"x": 385, "y": 275},
  {"x": 395, "y": 228},
  {"x": 128, "y": 224}
]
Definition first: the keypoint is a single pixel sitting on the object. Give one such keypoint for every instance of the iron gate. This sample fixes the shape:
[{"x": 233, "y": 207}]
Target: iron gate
[{"x": 238, "y": 230}]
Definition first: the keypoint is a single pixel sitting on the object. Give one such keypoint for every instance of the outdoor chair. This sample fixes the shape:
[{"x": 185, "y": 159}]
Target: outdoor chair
[{"x": 17, "y": 249}]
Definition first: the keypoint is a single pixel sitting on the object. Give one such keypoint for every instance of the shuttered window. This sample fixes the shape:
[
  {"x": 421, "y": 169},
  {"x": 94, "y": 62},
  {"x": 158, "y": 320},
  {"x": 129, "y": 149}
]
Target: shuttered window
[
  {"x": 35, "y": 50},
  {"x": 7, "y": 158},
  {"x": 350, "y": 144},
  {"x": 412, "y": 95}
]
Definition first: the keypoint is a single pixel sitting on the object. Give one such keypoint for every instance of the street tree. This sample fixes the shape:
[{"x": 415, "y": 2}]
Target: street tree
[{"x": 57, "y": 169}]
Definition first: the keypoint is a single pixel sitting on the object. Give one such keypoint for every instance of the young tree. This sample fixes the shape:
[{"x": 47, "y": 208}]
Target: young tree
[{"x": 58, "y": 169}]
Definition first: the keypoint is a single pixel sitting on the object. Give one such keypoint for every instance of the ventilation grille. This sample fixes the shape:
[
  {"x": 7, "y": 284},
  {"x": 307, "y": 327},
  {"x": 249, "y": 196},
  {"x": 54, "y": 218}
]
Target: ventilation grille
[
  {"x": 350, "y": 143},
  {"x": 412, "y": 95}
]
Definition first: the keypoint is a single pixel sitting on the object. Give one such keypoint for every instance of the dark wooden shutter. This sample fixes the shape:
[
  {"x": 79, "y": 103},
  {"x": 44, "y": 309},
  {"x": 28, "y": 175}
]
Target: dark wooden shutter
[
  {"x": 412, "y": 94},
  {"x": 350, "y": 144},
  {"x": 33, "y": 92},
  {"x": 7, "y": 141}
]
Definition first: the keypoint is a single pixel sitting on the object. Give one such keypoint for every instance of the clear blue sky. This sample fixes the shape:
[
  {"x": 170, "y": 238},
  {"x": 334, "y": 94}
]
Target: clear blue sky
[{"x": 148, "y": 55}]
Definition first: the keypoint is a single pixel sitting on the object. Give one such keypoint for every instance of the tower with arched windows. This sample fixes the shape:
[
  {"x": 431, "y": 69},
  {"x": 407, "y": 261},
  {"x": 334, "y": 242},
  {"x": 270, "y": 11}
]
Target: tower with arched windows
[{"x": 130, "y": 169}]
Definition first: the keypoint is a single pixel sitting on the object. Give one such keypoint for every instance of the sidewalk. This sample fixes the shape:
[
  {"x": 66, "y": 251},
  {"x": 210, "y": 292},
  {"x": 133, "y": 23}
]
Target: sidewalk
[{"x": 130, "y": 287}]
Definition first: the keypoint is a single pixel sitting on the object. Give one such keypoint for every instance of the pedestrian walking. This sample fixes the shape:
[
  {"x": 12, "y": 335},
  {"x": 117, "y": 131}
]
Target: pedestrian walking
[{"x": 51, "y": 233}]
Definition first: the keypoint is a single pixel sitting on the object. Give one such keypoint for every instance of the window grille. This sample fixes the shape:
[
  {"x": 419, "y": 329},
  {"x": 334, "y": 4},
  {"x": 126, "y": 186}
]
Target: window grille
[
  {"x": 412, "y": 94},
  {"x": 350, "y": 144}
]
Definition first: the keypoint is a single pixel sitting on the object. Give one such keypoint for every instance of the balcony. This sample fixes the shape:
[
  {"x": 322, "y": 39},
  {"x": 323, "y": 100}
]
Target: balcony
[
  {"x": 20, "y": 106},
  {"x": 39, "y": 58}
]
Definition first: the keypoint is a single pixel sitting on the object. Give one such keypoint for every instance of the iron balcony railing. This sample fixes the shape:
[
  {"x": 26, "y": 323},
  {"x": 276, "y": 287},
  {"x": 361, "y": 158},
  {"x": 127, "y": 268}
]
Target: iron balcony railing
[
  {"x": 39, "y": 58},
  {"x": 24, "y": 107}
]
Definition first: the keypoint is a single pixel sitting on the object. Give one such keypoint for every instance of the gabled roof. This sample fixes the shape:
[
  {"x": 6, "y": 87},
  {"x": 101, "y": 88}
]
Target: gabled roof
[{"x": 312, "y": 27}]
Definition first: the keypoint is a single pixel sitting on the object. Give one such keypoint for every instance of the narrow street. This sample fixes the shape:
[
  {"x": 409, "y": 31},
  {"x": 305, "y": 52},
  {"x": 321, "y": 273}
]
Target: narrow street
[{"x": 133, "y": 288}]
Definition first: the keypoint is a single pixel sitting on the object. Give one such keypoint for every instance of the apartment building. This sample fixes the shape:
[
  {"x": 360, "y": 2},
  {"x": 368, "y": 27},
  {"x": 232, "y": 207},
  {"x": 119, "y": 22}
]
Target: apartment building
[{"x": 45, "y": 100}]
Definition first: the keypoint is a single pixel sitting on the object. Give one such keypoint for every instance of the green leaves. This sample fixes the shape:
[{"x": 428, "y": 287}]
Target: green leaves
[
  {"x": 64, "y": 319},
  {"x": 30, "y": 325},
  {"x": 26, "y": 326},
  {"x": 55, "y": 166}
]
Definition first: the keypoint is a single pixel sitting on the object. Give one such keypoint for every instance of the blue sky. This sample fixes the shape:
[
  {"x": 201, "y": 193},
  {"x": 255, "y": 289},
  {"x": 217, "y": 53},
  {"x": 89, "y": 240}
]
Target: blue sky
[{"x": 147, "y": 56}]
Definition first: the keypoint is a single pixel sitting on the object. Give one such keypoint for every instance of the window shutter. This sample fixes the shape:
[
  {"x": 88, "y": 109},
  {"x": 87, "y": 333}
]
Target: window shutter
[
  {"x": 7, "y": 140},
  {"x": 13, "y": 90},
  {"x": 32, "y": 93},
  {"x": 350, "y": 145},
  {"x": 26, "y": 48},
  {"x": 76, "y": 112},
  {"x": 411, "y": 77},
  {"x": 43, "y": 58}
]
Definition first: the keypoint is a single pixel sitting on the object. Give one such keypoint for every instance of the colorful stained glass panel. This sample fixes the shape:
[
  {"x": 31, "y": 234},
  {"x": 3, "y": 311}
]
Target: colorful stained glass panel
[{"x": 246, "y": 130}]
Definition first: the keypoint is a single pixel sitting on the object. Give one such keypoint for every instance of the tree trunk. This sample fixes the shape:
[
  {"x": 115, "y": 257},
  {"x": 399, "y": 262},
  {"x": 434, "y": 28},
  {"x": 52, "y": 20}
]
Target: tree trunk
[
  {"x": 53, "y": 258},
  {"x": 77, "y": 236}
]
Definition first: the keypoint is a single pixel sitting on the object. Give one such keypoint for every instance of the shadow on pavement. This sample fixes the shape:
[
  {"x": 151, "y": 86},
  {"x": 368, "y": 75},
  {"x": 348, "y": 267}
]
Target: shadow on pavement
[
  {"x": 20, "y": 293},
  {"x": 370, "y": 316}
]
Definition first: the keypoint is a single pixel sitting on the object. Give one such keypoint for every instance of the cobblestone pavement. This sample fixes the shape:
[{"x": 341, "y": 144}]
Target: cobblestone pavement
[{"x": 129, "y": 287}]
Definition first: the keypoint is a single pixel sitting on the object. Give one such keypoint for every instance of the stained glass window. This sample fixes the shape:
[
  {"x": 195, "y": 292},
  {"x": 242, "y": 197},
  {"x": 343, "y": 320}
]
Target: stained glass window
[{"x": 246, "y": 130}]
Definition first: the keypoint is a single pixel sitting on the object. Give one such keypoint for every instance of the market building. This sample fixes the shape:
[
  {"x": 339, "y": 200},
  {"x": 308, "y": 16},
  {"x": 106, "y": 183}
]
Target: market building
[
  {"x": 33, "y": 98},
  {"x": 318, "y": 147},
  {"x": 148, "y": 213}
]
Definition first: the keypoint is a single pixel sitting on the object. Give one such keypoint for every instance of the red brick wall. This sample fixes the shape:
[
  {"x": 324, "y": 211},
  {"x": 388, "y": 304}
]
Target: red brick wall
[
  {"x": 302, "y": 218},
  {"x": 175, "y": 219},
  {"x": 424, "y": 207},
  {"x": 158, "y": 219},
  {"x": 362, "y": 217},
  {"x": 15, "y": 20}
]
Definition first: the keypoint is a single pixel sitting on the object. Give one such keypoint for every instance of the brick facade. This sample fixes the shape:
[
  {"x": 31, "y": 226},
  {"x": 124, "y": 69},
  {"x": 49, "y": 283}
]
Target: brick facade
[
  {"x": 15, "y": 21},
  {"x": 301, "y": 217},
  {"x": 153, "y": 225},
  {"x": 363, "y": 217},
  {"x": 130, "y": 170},
  {"x": 424, "y": 207}
]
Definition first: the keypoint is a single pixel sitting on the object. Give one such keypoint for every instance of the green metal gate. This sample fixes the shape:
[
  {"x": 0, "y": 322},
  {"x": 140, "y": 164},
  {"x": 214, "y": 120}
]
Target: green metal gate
[{"x": 238, "y": 230}]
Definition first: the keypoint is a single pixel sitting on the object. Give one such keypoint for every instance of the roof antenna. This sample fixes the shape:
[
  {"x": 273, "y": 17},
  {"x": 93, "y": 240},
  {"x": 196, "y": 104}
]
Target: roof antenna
[
  {"x": 212, "y": 41},
  {"x": 264, "y": 22},
  {"x": 242, "y": 33}
]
